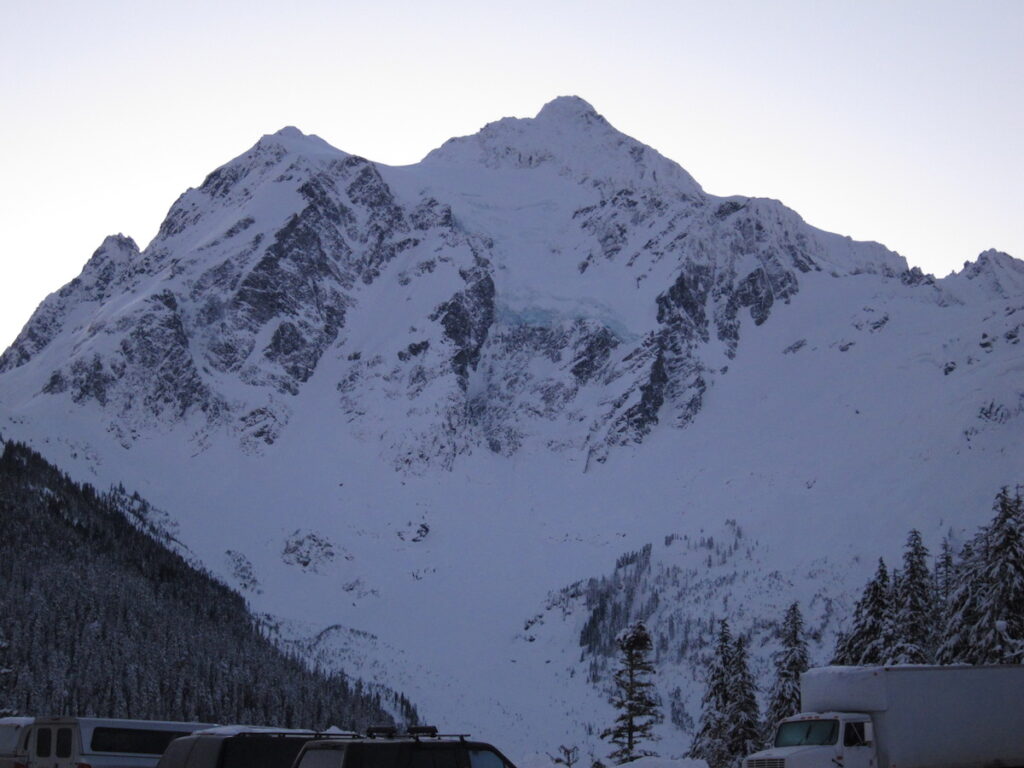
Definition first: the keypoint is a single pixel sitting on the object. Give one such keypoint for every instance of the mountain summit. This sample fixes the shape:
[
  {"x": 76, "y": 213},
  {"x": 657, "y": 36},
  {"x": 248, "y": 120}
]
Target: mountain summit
[
  {"x": 570, "y": 137},
  {"x": 442, "y": 420}
]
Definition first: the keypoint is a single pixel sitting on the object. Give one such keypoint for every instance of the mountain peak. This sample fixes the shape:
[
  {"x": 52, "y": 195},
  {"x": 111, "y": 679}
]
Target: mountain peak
[
  {"x": 290, "y": 131},
  {"x": 569, "y": 108},
  {"x": 995, "y": 273},
  {"x": 119, "y": 242},
  {"x": 293, "y": 141},
  {"x": 571, "y": 138},
  {"x": 993, "y": 262}
]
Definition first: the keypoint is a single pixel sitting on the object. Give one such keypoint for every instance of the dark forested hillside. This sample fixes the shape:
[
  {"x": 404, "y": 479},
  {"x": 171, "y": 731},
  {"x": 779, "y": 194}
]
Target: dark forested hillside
[{"x": 99, "y": 618}]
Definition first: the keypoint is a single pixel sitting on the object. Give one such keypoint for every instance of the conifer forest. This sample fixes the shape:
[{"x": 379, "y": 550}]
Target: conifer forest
[{"x": 102, "y": 619}]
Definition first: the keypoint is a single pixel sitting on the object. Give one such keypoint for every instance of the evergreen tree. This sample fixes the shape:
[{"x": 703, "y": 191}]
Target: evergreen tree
[
  {"x": 944, "y": 577},
  {"x": 634, "y": 698},
  {"x": 790, "y": 662},
  {"x": 842, "y": 655},
  {"x": 869, "y": 640},
  {"x": 985, "y": 615},
  {"x": 712, "y": 742},
  {"x": 914, "y": 613},
  {"x": 960, "y": 611},
  {"x": 997, "y": 634},
  {"x": 742, "y": 706}
]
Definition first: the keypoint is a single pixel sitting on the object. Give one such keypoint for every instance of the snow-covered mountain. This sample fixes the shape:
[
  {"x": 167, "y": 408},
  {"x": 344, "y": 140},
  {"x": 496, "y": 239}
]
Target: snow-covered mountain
[{"x": 442, "y": 421}]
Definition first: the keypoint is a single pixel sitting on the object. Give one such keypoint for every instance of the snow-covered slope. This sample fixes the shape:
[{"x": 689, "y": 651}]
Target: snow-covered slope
[{"x": 431, "y": 417}]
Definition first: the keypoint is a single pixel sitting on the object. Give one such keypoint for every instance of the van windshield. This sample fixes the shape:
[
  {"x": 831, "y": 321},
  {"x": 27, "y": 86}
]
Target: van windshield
[{"x": 807, "y": 732}]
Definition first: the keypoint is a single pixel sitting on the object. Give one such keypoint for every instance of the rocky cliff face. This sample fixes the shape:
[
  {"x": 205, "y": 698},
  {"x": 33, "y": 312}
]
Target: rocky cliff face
[{"x": 255, "y": 275}]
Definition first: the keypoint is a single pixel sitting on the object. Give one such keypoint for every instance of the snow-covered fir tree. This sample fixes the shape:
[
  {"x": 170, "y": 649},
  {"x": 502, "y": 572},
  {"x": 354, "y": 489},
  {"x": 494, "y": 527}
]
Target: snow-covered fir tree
[
  {"x": 996, "y": 577},
  {"x": 730, "y": 725},
  {"x": 712, "y": 742},
  {"x": 869, "y": 639},
  {"x": 959, "y": 610},
  {"x": 634, "y": 698},
  {"x": 743, "y": 712},
  {"x": 944, "y": 576},
  {"x": 913, "y": 618},
  {"x": 790, "y": 662}
]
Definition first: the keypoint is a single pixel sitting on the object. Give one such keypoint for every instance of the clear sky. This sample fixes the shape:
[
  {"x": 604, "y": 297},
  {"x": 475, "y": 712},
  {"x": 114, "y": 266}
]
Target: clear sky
[{"x": 892, "y": 120}]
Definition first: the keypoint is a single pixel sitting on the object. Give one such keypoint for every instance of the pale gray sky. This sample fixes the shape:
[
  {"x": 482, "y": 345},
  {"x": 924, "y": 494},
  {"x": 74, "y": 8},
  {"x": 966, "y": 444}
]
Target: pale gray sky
[{"x": 884, "y": 120}]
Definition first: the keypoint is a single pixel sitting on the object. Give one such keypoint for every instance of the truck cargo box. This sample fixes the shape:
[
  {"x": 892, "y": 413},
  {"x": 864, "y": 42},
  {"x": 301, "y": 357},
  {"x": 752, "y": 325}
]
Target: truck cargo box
[{"x": 929, "y": 716}]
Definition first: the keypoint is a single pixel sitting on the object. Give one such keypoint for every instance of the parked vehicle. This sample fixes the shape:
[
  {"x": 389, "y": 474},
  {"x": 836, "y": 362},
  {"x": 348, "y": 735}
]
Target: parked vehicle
[
  {"x": 237, "y": 747},
  {"x": 12, "y": 731},
  {"x": 419, "y": 747},
  {"x": 903, "y": 717},
  {"x": 98, "y": 742}
]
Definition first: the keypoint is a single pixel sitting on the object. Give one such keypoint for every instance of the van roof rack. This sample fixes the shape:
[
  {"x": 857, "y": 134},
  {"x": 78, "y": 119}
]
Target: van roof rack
[
  {"x": 416, "y": 732},
  {"x": 422, "y": 730},
  {"x": 290, "y": 733}
]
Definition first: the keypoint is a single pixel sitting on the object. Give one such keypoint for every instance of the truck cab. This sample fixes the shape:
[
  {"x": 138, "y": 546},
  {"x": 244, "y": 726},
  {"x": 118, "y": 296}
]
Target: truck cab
[{"x": 820, "y": 740}]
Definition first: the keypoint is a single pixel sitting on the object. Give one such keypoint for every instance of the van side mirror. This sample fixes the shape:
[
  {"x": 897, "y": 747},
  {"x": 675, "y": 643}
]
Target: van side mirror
[{"x": 869, "y": 733}]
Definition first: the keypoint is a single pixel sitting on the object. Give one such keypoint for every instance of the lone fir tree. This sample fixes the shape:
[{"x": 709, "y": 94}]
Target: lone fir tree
[
  {"x": 634, "y": 698},
  {"x": 745, "y": 734},
  {"x": 913, "y": 631},
  {"x": 711, "y": 743},
  {"x": 791, "y": 661},
  {"x": 870, "y": 639}
]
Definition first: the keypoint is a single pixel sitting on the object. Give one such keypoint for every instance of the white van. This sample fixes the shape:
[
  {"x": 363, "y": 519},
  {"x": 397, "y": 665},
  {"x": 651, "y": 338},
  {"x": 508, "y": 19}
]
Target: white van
[
  {"x": 12, "y": 732},
  {"x": 98, "y": 742}
]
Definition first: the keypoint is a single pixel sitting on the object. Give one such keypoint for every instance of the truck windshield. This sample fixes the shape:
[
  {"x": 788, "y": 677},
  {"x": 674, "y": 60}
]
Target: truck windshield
[{"x": 807, "y": 732}]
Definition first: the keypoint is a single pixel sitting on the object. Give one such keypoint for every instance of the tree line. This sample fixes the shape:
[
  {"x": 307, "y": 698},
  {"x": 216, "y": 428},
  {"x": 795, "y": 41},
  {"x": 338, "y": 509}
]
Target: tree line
[{"x": 966, "y": 608}]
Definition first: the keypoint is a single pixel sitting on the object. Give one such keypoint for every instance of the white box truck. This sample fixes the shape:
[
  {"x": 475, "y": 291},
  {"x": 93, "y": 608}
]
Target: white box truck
[{"x": 903, "y": 717}]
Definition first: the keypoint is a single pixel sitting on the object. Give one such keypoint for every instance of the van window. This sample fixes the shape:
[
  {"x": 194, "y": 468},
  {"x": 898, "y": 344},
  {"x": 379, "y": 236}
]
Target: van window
[
  {"x": 485, "y": 758},
  {"x": 63, "y": 742},
  {"x": 323, "y": 758},
  {"x": 43, "y": 736},
  {"x": 133, "y": 740},
  {"x": 256, "y": 752}
]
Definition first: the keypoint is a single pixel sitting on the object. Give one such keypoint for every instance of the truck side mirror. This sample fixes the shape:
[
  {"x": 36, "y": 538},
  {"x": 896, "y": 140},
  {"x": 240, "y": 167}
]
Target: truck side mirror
[{"x": 869, "y": 733}]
